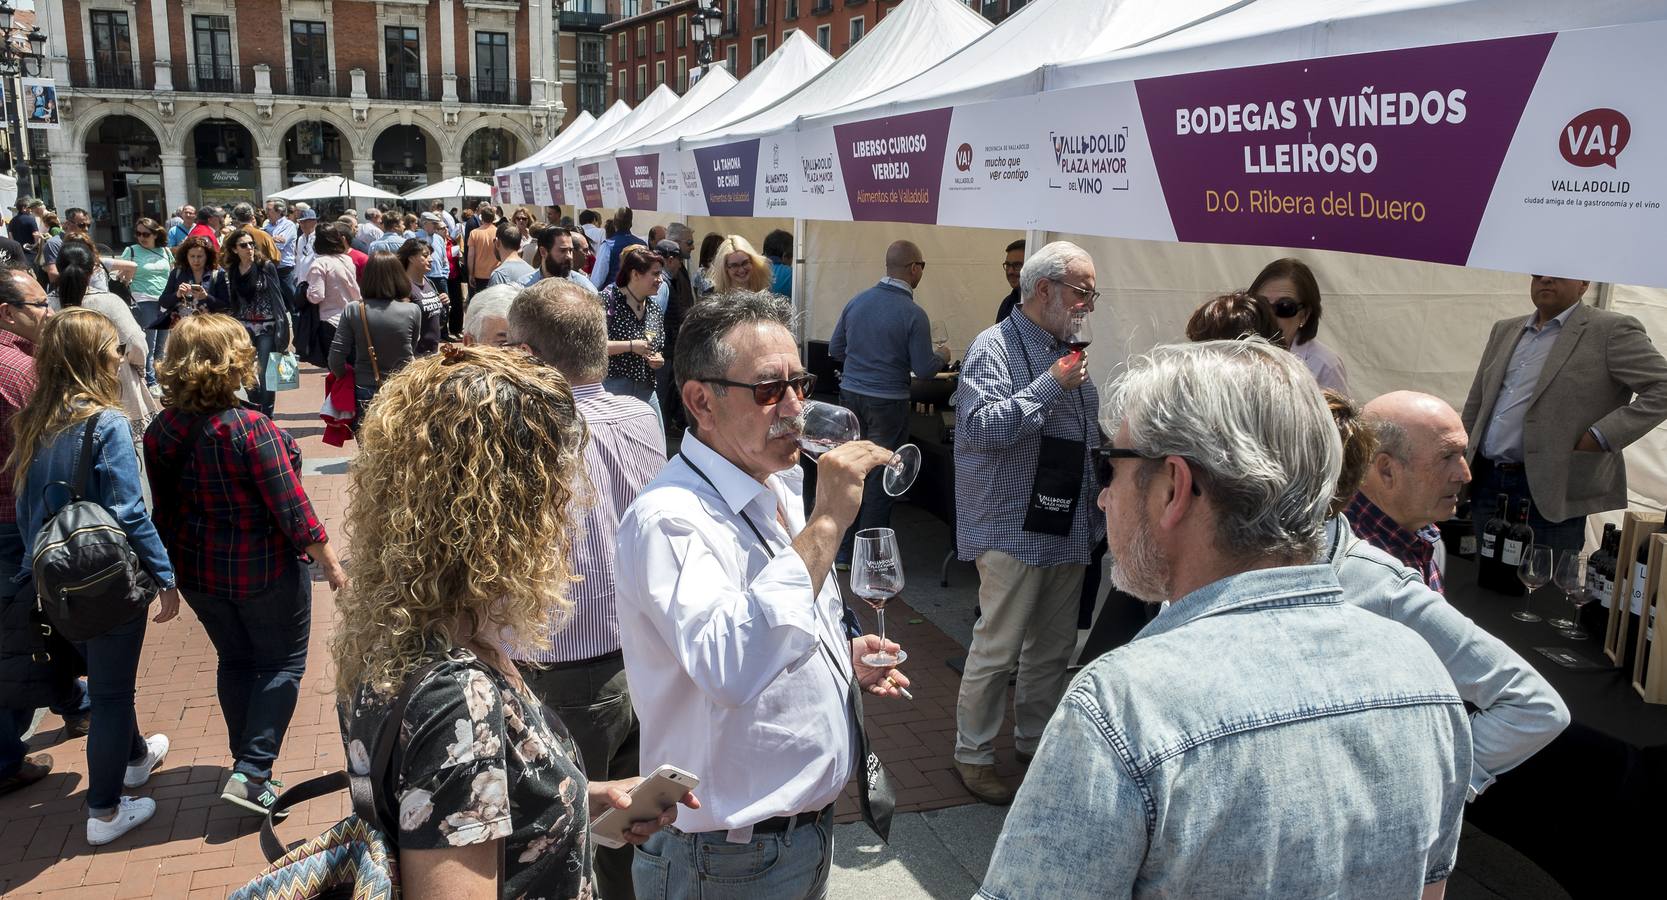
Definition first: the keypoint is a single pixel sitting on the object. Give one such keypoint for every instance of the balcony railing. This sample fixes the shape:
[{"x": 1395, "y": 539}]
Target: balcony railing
[
  {"x": 108, "y": 77},
  {"x": 314, "y": 83},
  {"x": 217, "y": 78},
  {"x": 408, "y": 86},
  {"x": 491, "y": 90},
  {"x": 584, "y": 21}
]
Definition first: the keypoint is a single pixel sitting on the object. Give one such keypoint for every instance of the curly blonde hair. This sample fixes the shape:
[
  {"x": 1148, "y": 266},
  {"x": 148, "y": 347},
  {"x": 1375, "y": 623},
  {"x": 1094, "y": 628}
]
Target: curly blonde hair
[
  {"x": 209, "y": 358},
  {"x": 461, "y": 518},
  {"x": 77, "y": 366}
]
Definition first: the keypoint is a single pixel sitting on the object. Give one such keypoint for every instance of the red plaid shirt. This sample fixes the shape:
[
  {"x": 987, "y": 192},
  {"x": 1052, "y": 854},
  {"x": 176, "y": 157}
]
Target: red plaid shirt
[
  {"x": 17, "y": 385},
  {"x": 236, "y": 513},
  {"x": 1415, "y": 550}
]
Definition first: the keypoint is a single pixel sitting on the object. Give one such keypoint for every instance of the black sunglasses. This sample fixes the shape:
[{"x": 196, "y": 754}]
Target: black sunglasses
[
  {"x": 1286, "y": 308},
  {"x": 765, "y": 393},
  {"x": 1103, "y": 468}
]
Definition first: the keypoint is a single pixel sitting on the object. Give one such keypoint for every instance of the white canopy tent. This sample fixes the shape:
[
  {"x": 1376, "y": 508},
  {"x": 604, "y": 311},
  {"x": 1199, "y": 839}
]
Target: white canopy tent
[
  {"x": 330, "y": 187},
  {"x": 450, "y": 189},
  {"x": 567, "y": 162},
  {"x": 708, "y": 90},
  {"x": 583, "y": 125}
]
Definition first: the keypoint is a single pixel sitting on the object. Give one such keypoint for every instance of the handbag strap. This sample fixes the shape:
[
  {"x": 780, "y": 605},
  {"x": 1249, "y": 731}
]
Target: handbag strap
[
  {"x": 84, "y": 460},
  {"x": 370, "y": 347}
]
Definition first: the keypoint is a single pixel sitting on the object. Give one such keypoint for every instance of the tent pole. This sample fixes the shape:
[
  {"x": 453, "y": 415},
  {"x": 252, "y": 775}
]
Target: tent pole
[
  {"x": 800, "y": 298},
  {"x": 1605, "y": 296}
]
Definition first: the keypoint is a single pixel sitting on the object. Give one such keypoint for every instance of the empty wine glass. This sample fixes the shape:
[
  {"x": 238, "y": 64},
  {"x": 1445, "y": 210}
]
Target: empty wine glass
[
  {"x": 827, "y": 426},
  {"x": 877, "y": 576},
  {"x": 1571, "y": 577},
  {"x": 1535, "y": 573}
]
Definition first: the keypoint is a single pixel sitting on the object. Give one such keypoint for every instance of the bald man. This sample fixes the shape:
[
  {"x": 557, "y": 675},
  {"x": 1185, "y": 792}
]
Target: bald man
[
  {"x": 1414, "y": 479},
  {"x": 883, "y": 337}
]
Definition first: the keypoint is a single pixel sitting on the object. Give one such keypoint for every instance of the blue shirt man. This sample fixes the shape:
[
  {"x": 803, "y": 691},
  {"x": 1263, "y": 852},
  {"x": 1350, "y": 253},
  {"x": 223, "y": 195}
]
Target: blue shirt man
[
  {"x": 283, "y": 233},
  {"x": 1218, "y": 754}
]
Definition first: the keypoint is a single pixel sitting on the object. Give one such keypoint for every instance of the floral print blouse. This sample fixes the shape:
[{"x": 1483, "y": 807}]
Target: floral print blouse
[
  {"x": 623, "y": 325},
  {"x": 478, "y": 761}
]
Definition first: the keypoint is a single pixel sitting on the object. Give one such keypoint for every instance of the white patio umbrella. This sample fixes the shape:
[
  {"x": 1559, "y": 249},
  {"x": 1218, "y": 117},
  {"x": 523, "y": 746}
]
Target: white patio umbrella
[
  {"x": 450, "y": 189},
  {"x": 330, "y": 187}
]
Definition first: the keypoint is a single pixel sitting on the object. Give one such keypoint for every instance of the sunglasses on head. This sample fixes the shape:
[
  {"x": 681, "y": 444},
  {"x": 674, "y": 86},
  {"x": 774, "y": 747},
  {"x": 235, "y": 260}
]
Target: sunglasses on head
[
  {"x": 1286, "y": 308},
  {"x": 1104, "y": 469},
  {"x": 765, "y": 393}
]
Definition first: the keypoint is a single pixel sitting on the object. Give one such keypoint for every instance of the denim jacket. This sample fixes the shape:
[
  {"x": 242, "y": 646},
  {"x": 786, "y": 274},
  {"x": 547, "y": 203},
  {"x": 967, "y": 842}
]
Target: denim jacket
[
  {"x": 1260, "y": 737},
  {"x": 1517, "y": 710},
  {"x": 114, "y": 482}
]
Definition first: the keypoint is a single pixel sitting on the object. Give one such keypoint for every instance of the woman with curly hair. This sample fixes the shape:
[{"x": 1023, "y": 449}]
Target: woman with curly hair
[
  {"x": 460, "y": 530},
  {"x": 736, "y": 266},
  {"x": 77, "y": 362},
  {"x": 240, "y": 529}
]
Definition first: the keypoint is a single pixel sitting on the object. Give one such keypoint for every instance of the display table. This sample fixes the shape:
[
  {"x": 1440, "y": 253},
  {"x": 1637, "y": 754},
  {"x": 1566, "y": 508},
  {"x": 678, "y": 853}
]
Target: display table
[{"x": 1585, "y": 809}]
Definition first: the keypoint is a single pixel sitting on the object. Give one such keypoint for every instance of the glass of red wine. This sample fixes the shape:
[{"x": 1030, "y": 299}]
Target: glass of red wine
[
  {"x": 877, "y": 576},
  {"x": 1081, "y": 334},
  {"x": 827, "y": 426}
]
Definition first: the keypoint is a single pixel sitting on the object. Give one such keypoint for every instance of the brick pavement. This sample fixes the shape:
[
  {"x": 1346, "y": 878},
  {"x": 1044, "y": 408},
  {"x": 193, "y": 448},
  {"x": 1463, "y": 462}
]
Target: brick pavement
[{"x": 198, "y": 847}]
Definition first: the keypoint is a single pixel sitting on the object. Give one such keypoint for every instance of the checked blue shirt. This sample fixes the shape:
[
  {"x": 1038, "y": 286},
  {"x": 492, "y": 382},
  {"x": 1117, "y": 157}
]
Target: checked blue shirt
[{"x": 1005, "y": 403}]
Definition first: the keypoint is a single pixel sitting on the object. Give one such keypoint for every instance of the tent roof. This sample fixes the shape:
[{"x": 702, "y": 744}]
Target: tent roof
[
  {"x": 649, "y": 110},
  {"x": 708, "y": 89},
  {"x": 795, "y": 62},
  {"x": 330, "y": 187},
  {"x": 913, "y": 37},
  {"x": 1058, "y": 44},
  {"x": 449, "y": 189},
  {"x": 583, "y": 125}
]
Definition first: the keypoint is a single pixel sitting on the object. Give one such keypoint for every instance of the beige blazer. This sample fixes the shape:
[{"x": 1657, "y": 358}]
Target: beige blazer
[{"x": 1604, "y": 371}]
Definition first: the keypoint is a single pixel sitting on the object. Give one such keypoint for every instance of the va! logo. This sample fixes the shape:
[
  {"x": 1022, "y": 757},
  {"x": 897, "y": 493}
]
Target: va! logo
[
  {"x": 1596, "y": 137},
  {"x": 963, "y": 157}
]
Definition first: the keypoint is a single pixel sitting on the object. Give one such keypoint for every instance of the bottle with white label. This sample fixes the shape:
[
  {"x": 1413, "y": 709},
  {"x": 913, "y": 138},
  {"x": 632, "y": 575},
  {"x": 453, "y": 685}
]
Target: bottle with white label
[
  {"x": 1488, "y": 573},
  {"x": 1596, "y": 579},
  {"x": 1517, "y": 539}
]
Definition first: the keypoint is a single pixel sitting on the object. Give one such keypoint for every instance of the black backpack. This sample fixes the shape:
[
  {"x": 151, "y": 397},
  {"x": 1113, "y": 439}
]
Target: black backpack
[{"x": 88, "y": 580}]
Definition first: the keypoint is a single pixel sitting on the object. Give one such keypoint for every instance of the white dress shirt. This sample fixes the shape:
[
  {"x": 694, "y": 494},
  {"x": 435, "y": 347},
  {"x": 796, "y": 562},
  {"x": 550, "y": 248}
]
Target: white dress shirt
[{"x": 724, "y": 645}]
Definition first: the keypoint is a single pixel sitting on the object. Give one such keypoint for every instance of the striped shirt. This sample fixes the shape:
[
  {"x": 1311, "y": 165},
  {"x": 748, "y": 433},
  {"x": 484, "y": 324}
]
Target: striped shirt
[
  {"x": 1005, "y": 403},
  {"x": 624, "y": 453}
]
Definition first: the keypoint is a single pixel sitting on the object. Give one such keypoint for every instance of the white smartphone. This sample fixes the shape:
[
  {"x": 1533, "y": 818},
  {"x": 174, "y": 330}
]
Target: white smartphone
[{"x": 651, "y": 797}]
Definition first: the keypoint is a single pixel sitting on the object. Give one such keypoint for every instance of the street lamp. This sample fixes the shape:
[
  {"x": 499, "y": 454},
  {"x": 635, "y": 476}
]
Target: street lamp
[
  {"x": 703, "y": 28},
  {"x": 16, "y": 63}
]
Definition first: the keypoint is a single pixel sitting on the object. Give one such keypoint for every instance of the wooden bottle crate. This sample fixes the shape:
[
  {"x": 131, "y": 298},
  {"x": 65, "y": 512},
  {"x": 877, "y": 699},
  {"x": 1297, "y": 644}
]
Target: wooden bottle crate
[
  {"x": 1635, "y": 526},
  {"x": 1649, "y": 661}
]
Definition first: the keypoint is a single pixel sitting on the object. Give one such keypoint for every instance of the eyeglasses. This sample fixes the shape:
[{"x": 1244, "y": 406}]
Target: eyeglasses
[
  {"x": 1091, "y": 297},
  {"x": 919, "y": 262},
  {"x": 764, "y": 393},
  {"x": 144, "y": 234},
  {"x": 1286, "y": 308},
  {"x": 738, "y": 266},
  {"x": 1012, "y": 266},
  {"x": 31, "y": 304},
  {"x": 1103, "y": 468},
  {"x": 246, "y": 245}
]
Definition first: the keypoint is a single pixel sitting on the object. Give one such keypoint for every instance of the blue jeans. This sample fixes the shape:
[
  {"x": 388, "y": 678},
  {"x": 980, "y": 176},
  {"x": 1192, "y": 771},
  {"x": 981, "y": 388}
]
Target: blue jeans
[
  {"x": 262, "y": 645},
  {"x": 260, "y": 397},
  {"x": 885, "y": 422},
  {"x": 114, "y": 740},
  {"x": 792, "y": 865},
  {"x": 146, "y": 309},
  {"x": 1489, "y": 482},
  {"x": 14, "y": 722}
]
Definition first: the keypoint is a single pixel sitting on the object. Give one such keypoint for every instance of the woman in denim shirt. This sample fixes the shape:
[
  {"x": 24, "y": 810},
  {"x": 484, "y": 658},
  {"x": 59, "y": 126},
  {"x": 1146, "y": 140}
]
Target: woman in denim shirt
[{"x": 77, "y": 361}]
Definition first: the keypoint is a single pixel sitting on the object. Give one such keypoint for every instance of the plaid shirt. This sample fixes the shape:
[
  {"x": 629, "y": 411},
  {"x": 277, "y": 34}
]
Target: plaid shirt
[
  {"x": 234, "y": 514},
  {"x": 17, "y": 385},
  {"x": 1415, "y": 550}
]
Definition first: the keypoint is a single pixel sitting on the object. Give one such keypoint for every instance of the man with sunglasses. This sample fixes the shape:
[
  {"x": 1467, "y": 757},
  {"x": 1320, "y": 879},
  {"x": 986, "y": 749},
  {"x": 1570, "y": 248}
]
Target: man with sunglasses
[
  {"x": 883, "y": 338},
  {"x": 1263, "y": 719},
  {"x": 730, "y": 618},
  {"x": 1024, "y": 488},
  {"x": 1010, "y": 267}
]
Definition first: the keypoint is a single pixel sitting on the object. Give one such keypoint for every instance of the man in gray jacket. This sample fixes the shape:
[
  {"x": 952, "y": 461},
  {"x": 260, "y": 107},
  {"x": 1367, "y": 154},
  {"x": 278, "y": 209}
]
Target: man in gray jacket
[{"x": 1557, "y": 397}]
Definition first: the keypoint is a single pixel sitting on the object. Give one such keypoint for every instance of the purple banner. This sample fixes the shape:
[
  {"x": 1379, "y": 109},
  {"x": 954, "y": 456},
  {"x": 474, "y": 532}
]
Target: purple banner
[
  {"x": 641, "y": 175},
  {"x": 893, "y": 167},
  {"x": 526, "y": 187},
  {"x": 729, "y": 177},
  {"x": 558, "y": 188},
  {"x": 590, "y": 184},
  {"x": 503, "y": 188},
  {"x": 1393, "y": 153}
]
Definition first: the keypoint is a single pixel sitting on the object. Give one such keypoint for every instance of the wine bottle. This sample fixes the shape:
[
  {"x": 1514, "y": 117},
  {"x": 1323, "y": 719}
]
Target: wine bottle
[
  {"x": 1596, "y": 585},
  {"x": 1513, "y": 546},
  {"x": 1487, "y": 563}
]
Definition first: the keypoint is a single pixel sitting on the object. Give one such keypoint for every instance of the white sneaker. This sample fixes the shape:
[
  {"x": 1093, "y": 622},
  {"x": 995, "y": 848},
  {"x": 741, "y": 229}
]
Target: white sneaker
[
  {"x": 133, "y": 812},
  {"x": 139, "y": 773}
]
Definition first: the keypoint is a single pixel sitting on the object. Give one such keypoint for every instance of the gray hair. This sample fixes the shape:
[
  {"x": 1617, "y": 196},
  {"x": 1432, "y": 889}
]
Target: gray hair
[
  {"x": 243, "y": 212},
  {"x": 1252, "y": 421},
  {"x": 702, "y": 352},
  {"x": 564, "y": 326},
  {"x": 1049, "y": 263},
  {"x": 280, "y": 205},
  {"x": 677, "y": 228},
  {"x": 1392, "y": 438},
  {"x": 492, "y": 303}
]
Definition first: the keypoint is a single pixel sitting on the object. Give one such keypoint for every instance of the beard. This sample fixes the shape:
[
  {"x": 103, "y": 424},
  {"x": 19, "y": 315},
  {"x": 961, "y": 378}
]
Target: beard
[
  {"x": 561, "y": 269},
  {"x": 1141, "y": 569}
]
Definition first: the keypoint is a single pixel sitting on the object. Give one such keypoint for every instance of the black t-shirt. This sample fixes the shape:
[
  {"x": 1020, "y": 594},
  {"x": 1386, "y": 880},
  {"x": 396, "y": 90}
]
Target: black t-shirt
[
  {"x": 22, "y": 229},
  {"x": 479, "y": 761}
]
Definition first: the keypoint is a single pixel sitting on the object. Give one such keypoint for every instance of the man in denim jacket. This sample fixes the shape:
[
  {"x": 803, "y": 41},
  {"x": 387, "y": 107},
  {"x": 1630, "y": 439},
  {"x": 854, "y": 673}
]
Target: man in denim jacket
[{"x": 1261, "y": 737}]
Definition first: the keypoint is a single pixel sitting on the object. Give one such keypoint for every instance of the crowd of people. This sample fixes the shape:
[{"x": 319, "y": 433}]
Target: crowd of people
[{"x": 537, "y": 605}]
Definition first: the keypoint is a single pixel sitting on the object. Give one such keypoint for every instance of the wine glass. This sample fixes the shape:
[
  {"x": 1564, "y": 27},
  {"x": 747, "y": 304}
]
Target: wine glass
[
  {"x": 826, "y": 426},
  {"x": 940, "y": 338},
  {"x": 1571, "y": 577},
  {"x": 1535, "y": 573},
  {"x": 1081, "y": 333},
  {"x": 877, "y": 576}
]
